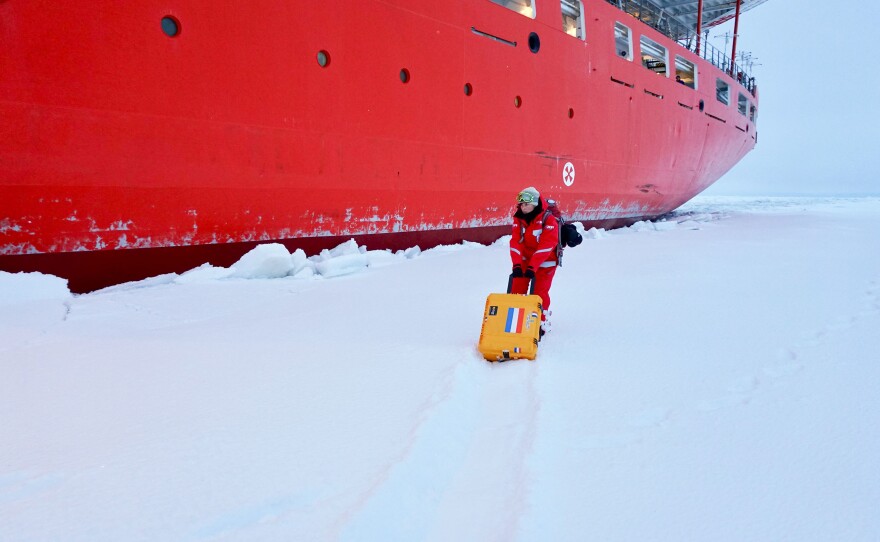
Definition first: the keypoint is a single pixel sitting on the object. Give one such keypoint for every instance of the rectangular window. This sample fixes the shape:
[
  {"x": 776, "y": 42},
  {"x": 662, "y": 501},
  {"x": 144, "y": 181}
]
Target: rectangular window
[
  {"x": 685, "y": 72},
  {"x": 573, "y": 18},
  {"x": 722, "y": 91},
  {"x": 742, "y": 104},
  {"x": 753, "y": 113},
  {"x": 526, "y": 7},
  {"x": 654, "y": 56},
  {"x": 623, "y": 41}
]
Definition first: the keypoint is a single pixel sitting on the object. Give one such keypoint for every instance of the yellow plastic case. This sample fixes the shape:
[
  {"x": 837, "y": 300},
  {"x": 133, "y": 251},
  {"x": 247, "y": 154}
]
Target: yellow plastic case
[{"x": 511, "y": 327}]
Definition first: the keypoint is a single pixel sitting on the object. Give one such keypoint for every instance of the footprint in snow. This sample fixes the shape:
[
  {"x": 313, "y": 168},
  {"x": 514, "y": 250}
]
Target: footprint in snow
[
  {"x": 746, "y": 384},
  {"x": 872, "y": 299},
  {"x": 784, "y": 354}
]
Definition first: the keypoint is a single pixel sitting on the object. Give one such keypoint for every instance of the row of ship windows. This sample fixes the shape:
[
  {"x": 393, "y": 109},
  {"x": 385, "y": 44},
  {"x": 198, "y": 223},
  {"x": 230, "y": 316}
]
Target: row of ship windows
[
  {"x": 654, "y": 56},
  {"x": 572, "y": 13}
]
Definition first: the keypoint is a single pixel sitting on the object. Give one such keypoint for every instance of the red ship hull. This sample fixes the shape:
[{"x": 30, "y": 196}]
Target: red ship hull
[{"x": 126, "y": 152}]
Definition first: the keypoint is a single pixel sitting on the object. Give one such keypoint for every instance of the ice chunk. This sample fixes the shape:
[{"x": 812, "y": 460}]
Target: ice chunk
[
  {"x": 22, "y": 287},
  {"x": 342, "y": 265},
  {"x": 270, "y": 260}
]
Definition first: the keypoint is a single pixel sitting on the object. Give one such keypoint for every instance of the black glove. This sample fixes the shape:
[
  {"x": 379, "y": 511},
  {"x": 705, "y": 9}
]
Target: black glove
[
  {"x": 530, "y": 273},
  {"x": 517, "y": 271}
]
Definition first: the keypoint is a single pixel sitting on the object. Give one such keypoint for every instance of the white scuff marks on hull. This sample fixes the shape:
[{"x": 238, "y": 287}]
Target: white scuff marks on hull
[
  {"x": 372, "y": 223},
  {"x": 477, "y": 222},
  {"x": 15, "y": 246},
  {"x": 118, "y": 225},
  {"x": 244, "y": 238},
  {"x": 284, "y": 234},
  {"x": 254, "y": 225},
  {"x": 195, "y": 214},
  {"x": 609, "y": 210},
  {"x": 399, "y": 215},
  {"x": 54, "y": 200},
  {"x": 18, "y": 249},
  {"x": 145, "y": 242},
  {"x": 387, "y": 223},
  {"x": 187, "y": 240},
  {"x": 7, "y": 225}
]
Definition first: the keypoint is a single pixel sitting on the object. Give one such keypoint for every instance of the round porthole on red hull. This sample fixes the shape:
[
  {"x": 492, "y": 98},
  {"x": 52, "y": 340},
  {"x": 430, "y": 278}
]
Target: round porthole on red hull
[
  {"x": 323, "y": 58},
  {"x": 170, "y": 26},
  {"x": 534, "y": 43}
]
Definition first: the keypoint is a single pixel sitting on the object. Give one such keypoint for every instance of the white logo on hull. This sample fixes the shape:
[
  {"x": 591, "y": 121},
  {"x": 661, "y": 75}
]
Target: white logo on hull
[{"x": 568, "y": 174}]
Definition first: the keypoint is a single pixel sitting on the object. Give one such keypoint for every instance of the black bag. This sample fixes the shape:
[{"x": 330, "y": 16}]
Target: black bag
[{"x": 569, "y": 236}]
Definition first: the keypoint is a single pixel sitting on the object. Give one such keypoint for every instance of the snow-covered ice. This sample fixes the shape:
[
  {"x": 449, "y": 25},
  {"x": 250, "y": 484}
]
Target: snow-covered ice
[{"x": 709, "y": 376}]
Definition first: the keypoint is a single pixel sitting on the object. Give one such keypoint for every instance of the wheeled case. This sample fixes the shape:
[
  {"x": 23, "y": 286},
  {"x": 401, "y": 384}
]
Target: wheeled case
[{"x": 511, "y": 326}]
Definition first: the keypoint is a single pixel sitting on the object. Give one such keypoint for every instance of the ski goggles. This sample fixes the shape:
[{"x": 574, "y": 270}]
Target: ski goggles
[{"x": 527, "y": 197}]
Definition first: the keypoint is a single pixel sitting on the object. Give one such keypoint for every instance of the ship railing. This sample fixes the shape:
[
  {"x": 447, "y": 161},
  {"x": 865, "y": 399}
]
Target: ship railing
[{"x": 650, "y": 14}]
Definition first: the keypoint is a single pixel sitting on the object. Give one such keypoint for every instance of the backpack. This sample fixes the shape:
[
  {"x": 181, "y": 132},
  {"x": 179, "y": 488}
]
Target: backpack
[{"x": 568, "y": 234}]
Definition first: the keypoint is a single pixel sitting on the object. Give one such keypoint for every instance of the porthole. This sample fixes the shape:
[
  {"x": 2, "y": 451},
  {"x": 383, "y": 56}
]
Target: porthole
[
  {"x": 468, "y": 89},
  {"x": 404, "y": 76},
  {"x": 517, "y": 102},
  {"x": 534, "y": 42},
  {"x": 323, "y": 58},
  {"x": 170, "y": 26}
]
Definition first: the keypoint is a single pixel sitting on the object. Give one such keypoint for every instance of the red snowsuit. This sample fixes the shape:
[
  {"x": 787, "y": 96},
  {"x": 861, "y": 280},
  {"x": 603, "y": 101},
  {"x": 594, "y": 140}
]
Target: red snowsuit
[{"x": 533, "y": 244}]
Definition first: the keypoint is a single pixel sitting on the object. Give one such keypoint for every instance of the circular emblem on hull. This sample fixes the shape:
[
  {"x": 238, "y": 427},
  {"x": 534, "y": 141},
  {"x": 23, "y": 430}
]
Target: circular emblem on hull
[{"x": 568, "y": 174}]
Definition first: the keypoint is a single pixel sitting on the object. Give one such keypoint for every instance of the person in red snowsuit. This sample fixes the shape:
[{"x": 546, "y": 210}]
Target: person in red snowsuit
[{"x": 533, "y": 247}]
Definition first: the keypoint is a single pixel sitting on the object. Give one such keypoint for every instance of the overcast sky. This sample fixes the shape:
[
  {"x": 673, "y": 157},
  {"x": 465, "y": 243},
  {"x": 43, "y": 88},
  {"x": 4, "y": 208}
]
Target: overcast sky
[{"x": 819, "y": 106}]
